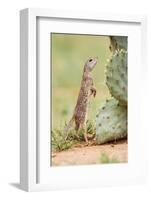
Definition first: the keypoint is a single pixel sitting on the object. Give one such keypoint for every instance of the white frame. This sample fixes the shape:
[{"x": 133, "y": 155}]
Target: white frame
[{"x": 28, "y": 82}]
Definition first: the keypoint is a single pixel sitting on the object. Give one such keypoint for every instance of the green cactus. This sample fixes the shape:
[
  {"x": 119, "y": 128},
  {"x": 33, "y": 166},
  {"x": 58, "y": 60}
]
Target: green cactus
[
  {"x": 111, "y": 119},
  {"x": 111, "y": 122},
  {"x": 118, "y": 42},
  {"x": 116, "y": 76}
]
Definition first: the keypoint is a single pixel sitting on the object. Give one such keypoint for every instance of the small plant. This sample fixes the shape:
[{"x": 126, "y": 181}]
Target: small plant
[
  {"x": 90, "y": 127},
  {"x": 90, "y": 131},
  {"x": 60, "y": 142},
  {"x": 106, "y": 160}
]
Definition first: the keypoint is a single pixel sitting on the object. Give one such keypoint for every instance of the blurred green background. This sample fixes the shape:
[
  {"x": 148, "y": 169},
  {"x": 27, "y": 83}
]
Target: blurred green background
[{"x": 69, "y": 53}]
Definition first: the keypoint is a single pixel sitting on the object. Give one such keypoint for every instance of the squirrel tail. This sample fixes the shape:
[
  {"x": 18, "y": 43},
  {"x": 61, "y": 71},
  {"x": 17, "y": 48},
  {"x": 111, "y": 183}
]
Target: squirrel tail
[{"x": 68, "y": 126}]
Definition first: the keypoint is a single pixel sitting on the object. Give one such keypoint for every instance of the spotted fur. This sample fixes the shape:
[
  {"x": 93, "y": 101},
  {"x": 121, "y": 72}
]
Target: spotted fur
[{"x": 81, "y": 109}]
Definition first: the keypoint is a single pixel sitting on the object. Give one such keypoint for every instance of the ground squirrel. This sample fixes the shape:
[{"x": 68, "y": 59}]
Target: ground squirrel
[{"x": 81, "y": 109}]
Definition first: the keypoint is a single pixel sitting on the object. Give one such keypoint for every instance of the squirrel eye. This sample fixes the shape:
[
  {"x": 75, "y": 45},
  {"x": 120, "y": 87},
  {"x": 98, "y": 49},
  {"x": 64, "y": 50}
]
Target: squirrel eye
[{"x": 90, "y": 60}]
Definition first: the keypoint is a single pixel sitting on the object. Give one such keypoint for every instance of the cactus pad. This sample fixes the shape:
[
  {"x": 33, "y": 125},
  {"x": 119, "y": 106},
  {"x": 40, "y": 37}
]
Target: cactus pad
[
  {"x": 118, "y": 42},
  {"x": 111, "y": 122},
  {"x": 116, "y": 76}
]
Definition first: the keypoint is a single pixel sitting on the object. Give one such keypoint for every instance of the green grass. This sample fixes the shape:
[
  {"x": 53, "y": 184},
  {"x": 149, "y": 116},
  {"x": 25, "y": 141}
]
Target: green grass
[
  {"x": 105, "y": 159},
  {"x": 60, "y": 142},
  {"x": 69, "y": 53}
]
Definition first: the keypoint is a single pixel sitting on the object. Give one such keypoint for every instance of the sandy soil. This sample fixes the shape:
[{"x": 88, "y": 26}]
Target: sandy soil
[{"x": 81, "y": 154}]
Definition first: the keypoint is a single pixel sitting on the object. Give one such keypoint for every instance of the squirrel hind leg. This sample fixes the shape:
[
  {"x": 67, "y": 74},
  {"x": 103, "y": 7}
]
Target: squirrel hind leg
[
  {"x": 83, "y": 127},
  {"x": 77, "y": 126},
  {"x": 67, "y": 127}
]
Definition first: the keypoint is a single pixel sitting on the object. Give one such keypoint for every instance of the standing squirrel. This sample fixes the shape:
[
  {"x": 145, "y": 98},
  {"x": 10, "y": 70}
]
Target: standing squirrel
[{"x": 81, "y": 109}]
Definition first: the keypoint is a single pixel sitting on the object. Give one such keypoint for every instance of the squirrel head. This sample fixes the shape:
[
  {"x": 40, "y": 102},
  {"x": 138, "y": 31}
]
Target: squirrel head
[{"x": 90, "y": 63}]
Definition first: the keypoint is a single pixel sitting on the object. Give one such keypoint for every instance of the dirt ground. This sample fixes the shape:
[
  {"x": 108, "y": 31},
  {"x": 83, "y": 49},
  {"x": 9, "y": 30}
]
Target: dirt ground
[{"x": 81, "y": 154}]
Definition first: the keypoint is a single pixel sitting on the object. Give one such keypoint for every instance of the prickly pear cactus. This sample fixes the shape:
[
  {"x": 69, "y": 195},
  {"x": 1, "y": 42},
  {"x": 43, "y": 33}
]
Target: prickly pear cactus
[
  {"x": 118, "y": 42},
  {"x": 111, "y": 122},
  {"x": 116, "y": 76}
]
